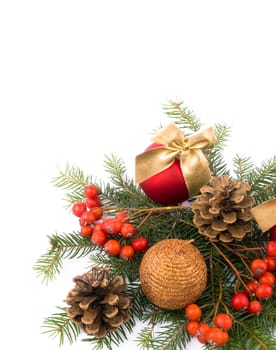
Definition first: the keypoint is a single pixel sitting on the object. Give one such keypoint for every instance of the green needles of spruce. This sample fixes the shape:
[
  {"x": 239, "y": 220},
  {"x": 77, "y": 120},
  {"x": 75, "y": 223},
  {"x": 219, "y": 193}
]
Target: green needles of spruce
[
  {"x": 227, "y": 264},
  {"x": 62, "y": 246},
  {"x": 60, "y": 326}
]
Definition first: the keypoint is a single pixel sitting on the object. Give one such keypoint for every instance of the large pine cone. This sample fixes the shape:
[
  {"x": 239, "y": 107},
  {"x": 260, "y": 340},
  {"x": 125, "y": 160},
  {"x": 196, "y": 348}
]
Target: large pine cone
[
  {"x": 223, "y": 210},
  {"x": 97, "y": 303}
]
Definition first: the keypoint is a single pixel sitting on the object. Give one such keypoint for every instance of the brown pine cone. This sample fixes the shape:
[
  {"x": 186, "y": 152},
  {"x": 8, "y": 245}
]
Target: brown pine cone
[
  {"x": 97, "y": 303},
  {"x": 223, "y": 210}
]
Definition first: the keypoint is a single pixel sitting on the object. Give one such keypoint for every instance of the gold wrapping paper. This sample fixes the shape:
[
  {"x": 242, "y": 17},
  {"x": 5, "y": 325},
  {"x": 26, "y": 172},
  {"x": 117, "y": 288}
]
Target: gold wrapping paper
[
  {"x": 265, "y": 214},
  {"x": 194, "y": 165}
]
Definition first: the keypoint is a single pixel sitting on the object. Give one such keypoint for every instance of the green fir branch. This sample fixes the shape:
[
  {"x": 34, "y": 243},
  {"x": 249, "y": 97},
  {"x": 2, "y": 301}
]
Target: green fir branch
[
  {"x": 214, "y": 155},
  {"x": 124, "y": 189},
  {"x": 62, "y": 246},
  {"x": 182, "y": 116},
  {"x": 243, "y": 166},
  {"x": 263, "y": 180},
  {"x": 145, "y": 338},
  {"x": 254, "y": 337},
  {"x": 172, "y": 336},
  {"x": 72, "y": 180},
  {"x": 59, "y": 325}
]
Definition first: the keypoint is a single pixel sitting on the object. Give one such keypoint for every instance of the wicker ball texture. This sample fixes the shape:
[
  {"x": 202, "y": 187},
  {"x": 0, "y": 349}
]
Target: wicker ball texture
[{"x": 173, "y": 274}]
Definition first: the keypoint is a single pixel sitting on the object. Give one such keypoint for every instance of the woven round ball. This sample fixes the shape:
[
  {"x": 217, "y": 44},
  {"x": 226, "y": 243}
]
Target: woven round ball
[{"x": 173, "y": 274}]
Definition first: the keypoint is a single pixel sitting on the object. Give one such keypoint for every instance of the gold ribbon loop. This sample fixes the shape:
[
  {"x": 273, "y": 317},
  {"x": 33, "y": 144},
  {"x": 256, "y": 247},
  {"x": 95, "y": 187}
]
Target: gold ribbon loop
[
  {"x": 175, "y": 145},
  {"x": 265, "y": 214}
]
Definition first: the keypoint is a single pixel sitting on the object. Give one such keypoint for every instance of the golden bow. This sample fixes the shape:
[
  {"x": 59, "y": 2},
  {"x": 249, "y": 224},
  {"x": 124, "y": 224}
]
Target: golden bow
[
  {"x": 265, "y": 214},
  {"x": 174, "y": 145}
]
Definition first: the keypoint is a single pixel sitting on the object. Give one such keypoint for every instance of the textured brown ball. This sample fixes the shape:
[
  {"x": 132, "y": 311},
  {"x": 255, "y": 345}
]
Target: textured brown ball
[{"x": 173, "y": 274}]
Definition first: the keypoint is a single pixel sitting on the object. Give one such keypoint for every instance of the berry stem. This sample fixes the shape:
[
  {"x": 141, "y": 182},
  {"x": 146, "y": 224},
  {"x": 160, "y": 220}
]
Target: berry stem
[
  {"x": 138, "y": 212},
  {"x": 241, "y": 256},
  {"x": 229, "y": 263}
]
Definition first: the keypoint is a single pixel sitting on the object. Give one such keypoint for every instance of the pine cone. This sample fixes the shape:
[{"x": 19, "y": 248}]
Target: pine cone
[
  {"x": 97, "y": 303},
  {"x": 223, "y": 210}
]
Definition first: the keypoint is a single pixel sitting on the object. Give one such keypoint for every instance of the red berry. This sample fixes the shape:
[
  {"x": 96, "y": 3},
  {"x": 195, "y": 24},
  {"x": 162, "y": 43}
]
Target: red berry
[
  {"x": 272, "y": 233},
  {"x": 271, "y": 263},
  {"x": 88, "y": 217},
  {"x": 112, "y": 247},
  {"x": 111, "y": 226},
  {"x": 225, "y": 338},
  {"x": 99, "y": 237},
  {"x": 267, "y": 278},
  {"x": 97, "y": 227},
  {"x": 217, "y": 337},
  {"x": 98, "y": 212},
  {"x": 254, "y": 307},
  {"x": 223, "y": 321},
  {"x": 98, "y": 201},
  {"x": 201, "y": 339},
  {"x": 140, "y": 244},
  {"x": 263, "y": 291},
  {"x": 251, "y": 287},
  {"x": 78, "y": 208},
  {"x": 271, "y": 248},
  {"x": 90, "y": 191},
  {"x": 127, "y": 252},
  {"x": 86, "y": 230},
  {"x": 121, "y": 216},
  {"x": 192, "y": 327},
  {"x": 128, "y": 230},
  {"x": 193, "y": 312},
  {"x": 90, "y": 203},
  {"x": 258, "y": 267},
  {"x": 203, "y": 329},
  {"x": 239, "y": 301}
]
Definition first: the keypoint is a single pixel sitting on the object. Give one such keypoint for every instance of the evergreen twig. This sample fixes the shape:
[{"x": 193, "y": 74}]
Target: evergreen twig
[
  {"x": 62, "y": 246},
  {"x": 60, "y": 326},
  {"x": 182, "y": 116}
]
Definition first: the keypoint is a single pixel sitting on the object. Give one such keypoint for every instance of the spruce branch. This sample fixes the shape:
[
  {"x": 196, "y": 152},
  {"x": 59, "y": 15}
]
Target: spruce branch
[
  {"x": 145, "y": 338},
  {"x": 59, "y": 325},
  {"x": 172, "y": 336},
  {"x": 242, "y": 167},
  {"x": 124, "y": 191},
  {"x": 62, "y": 246},
  {"x": 183, "y": 117},
  {"x": 256, "y": 338},
  {"x": 73, "y": 180},
  {"x": 214, "y": 155},
  {"x": 263, "y": 180}
]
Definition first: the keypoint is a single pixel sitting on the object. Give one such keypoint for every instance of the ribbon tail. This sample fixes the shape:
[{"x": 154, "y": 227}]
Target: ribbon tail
[{"x": 196, "y": 169}]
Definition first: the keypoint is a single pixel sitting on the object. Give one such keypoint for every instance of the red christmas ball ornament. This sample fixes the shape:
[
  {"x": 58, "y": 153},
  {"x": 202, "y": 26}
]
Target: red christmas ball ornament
[
  {"x": 167, "y": 187},
  {"x": 272, "y": 233}
]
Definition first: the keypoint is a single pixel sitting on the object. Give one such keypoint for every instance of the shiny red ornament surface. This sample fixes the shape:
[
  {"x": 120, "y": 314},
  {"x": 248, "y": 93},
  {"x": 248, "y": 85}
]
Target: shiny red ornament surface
[
  {"x": 272, "y": 233},
  {"x": 167, "y": 187}
]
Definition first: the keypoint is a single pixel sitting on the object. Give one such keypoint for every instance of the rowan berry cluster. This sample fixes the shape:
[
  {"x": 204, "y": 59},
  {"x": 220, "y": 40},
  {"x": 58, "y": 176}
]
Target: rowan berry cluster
[
  {"x": 115, "y": 234},
  {"x": 215, "y": 335},
  {"x": 263, "y": 280}
]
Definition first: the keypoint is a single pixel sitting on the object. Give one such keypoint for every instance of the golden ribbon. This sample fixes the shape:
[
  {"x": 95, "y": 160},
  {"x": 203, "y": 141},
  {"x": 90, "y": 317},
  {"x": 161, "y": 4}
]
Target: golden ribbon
[
  {"x": 194, "y": 165},
  {"x": 265, "y": 214}
]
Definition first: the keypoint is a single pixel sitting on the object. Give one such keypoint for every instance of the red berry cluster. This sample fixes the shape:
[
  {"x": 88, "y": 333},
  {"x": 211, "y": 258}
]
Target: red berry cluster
[
  {"x": 214, "y": 335},
  {"x": 89, "y": 211},
  {"x": 114, "y": 234},
  {"x": 261, "y": 286}
]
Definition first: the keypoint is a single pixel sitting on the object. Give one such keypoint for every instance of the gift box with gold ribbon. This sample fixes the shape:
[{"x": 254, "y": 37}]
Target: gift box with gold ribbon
[{"x": 173, "y": 168}]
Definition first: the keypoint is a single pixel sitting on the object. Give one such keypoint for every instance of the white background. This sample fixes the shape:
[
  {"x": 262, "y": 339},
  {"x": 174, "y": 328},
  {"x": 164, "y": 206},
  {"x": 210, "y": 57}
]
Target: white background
[{"x": 81, "y": 79}]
